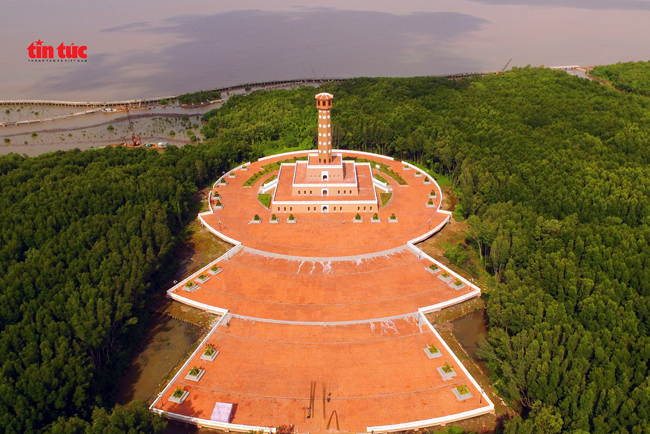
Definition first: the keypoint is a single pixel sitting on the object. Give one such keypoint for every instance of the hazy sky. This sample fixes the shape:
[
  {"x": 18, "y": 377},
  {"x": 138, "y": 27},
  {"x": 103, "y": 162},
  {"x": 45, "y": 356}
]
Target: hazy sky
[{"x": 140, "y": 48}]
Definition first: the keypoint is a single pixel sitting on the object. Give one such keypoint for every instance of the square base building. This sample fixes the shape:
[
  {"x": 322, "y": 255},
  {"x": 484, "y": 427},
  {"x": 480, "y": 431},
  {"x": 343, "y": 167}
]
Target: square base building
[{"x": 325, "y": 183}]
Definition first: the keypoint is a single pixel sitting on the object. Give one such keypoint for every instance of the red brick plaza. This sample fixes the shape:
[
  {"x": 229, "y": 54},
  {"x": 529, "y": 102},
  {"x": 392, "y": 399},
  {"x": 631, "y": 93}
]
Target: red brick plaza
[{"x": 323, "y": 325}]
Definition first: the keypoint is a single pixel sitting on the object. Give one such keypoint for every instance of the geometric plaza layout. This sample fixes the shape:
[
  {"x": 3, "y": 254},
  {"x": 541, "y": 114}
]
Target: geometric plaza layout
[{"x": 323, "y": 323}]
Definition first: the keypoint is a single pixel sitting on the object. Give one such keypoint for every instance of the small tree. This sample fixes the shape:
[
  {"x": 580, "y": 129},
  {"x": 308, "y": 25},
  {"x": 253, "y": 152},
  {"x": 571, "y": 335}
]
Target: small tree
[
  {"x": 392, "y": 216},
  {"x": 291, "y": 217},
  {"x": 172, "y": 133},
  {"x": 110, "y": 128},
  {"x": 257, "y": 217},
  {"x": 273, "y": 217},
  {"x": 430, "y": 202},
  {"x": 375, "y": 217},
  {"x": 34, "y": 134},
  {"x": 358, "y": 217}
]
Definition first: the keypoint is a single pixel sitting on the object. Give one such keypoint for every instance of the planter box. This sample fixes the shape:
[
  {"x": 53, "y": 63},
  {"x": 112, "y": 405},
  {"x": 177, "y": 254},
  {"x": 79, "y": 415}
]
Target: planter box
[
  {"x": 390, "y": 220},
  {"x": 418, "y": 174},
  {"x": 217, "y": 207},
  {"x": 432, "y": 355},
  {"x": 445, "y": 375},
  {"x": 209, "y": 358},
  {"x": 426, "y": 181},
  {"x": 217, "y": 197},
  {"x": 457, "y": 287},
  {"x": 462, "y": 397},
  {"x": 244, "y": 169},
  {"x": 433, "y": 196},
  {"x": 205, "y": 279},
  {"x": 375, "y": 220},
  {"x": 436, "y": 271},
  {"x": 256, "y": 221},
  {"x": 276, "y": 221},
  {"x": 446, "y": 279},
  {"x": 214, "y": 273},
  {"x": 199, "y": 375},
  {"x": 191, "y": 288},
  {"x": 223, "y": 182},
  {"x": 179, "y": 400},
  {"x": 433, "y": 205},
  {"x": 291, "y": 221},
  {"x": 358, "y": 220},
  {"x": 406, "y": 168}
]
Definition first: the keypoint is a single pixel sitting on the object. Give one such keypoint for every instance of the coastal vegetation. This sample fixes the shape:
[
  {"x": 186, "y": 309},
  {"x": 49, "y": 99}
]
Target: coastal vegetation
[
  {"x": 199, "y": 97},
  {"x": 86, "y": 236},
  {"x": 630, "y": 76}
]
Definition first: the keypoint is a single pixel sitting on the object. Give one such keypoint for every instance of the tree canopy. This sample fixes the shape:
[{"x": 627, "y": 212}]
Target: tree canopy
[{"x": 631, "y": 76}]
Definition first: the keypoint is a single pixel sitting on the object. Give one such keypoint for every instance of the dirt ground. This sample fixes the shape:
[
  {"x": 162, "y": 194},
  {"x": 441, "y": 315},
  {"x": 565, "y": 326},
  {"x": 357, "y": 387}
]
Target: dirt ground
[{"x": 198, "y": 248}]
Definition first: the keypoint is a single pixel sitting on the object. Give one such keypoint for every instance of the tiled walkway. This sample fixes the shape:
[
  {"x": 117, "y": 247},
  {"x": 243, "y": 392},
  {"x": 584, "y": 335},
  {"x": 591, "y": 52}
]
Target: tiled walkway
[
  {"x": 275, "y": 348},
  {"x": 377, "y": 374}
]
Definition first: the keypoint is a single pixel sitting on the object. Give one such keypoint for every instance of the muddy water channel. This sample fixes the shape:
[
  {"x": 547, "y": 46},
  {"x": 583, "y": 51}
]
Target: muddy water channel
[
  {"x": 467, "y": 331},
  {"x": 167, "y": 342}
]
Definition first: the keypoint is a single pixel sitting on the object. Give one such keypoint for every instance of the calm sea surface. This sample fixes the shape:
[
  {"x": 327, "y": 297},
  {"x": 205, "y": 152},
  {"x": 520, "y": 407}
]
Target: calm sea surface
[{"x": 140, "y": 48}]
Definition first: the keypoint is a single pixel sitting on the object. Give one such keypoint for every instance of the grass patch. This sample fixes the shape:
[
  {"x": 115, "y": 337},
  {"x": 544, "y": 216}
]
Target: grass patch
[
  {"x": 271, "y": 178},
  {"x": 381, "y": 178},
  {"x": 385, "y": 198},
  {"x": 265, "y": 200},
  {"x": 383, "y": 168},
  {"x": 268, "y": 168},
  {"x": 442, "y": 180}
]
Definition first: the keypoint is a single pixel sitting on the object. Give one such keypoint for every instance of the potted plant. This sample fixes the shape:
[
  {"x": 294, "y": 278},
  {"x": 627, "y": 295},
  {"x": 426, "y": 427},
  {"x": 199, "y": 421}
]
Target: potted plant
[
  {"x": 274, "y": 219},
  {"x": 461, "y": 392},
  {"x": 358, "y": 219},
  {"x": 445, "y": 277},
  {"x": 244, "y": 168},
  {"x": 375, "y": 218},
  {"x": 202, "y": 278},
  {"x": 393, "y": 218},
  {"x": 418, "y": 174},
  {"x": 433, "y": 269},
  {"x": 433, "y": 194},
  {"x": 179, "y": 395},
  {"x": 458, "y": 284},
  {"x": 214, "y": 270},
  {"x": 256, "y": 219},
  {"x": 210, "y": 353},
  {"x": 430, "y": 204},
  {"x": 432, "y": 352},
  {"x": 218, "y": 205},
  {"x": 195, "y": 374},
  {"x": 190, "y": 286},
  {"x": 232, "y": 175},
  {"x": 447, "y": 371},
  {"x": 291, "y": 219}
]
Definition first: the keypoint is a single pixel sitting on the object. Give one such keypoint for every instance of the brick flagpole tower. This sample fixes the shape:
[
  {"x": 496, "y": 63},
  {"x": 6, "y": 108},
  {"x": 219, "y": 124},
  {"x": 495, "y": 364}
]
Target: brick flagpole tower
[{"x": 324, "y": 105}]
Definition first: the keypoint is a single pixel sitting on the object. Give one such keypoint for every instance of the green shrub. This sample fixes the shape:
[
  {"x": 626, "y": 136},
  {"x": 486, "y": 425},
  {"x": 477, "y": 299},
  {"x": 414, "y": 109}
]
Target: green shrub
[
  {"x": 357, "y": 217},
  {"x": 110, "y": 128},
  {"x": 457, "y": 255},
  {"x": 256, "y": 218}
]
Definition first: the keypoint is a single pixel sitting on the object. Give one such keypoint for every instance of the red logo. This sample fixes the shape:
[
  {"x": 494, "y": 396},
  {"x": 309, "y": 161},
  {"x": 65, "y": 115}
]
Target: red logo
[{"x": 65, "y": 53}]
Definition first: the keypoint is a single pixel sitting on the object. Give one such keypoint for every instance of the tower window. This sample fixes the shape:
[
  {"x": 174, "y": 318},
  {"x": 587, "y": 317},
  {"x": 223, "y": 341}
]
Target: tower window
[{"x": 285, "y": 208}]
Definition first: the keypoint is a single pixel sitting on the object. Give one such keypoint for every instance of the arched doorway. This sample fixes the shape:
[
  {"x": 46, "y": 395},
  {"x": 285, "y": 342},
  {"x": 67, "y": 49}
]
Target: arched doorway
[
  {"x": 324, "y": 177},
  {"x": 325, "y": 209},
  {"x": 324, "y": 192}
]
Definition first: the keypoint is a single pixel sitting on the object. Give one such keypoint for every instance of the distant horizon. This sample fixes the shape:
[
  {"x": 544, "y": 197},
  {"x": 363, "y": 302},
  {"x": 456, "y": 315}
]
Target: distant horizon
[{"x": 170, "y": 48}]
